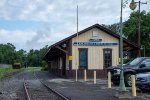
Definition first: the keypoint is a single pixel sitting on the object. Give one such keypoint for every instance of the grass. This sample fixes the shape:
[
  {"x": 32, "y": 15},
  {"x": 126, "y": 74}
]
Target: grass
[{"x": 6, "y": 71}]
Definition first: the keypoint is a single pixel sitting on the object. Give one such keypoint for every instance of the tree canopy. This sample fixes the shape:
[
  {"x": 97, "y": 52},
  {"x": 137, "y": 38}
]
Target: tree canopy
[
  {"x": 9, "y": 55},
  {"x": 130, "y": 29}
]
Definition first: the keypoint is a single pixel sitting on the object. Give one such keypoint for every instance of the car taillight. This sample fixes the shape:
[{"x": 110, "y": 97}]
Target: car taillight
[{"x": 148, "y": 86}]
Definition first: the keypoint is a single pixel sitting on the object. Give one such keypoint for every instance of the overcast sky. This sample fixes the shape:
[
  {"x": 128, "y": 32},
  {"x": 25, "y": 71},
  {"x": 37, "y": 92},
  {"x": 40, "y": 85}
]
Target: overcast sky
[{"x": 32, "y": 24}]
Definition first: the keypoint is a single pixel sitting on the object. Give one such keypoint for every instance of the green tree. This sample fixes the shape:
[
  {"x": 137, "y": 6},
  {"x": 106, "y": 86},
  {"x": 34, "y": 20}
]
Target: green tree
[
  {"x": 35, "y": 57},
  {"x": 131, "y": 29},
  {"x": 7, "y": 53},
  {"x": 21, "y": 57},
  {"x": 113, "y": 27}
]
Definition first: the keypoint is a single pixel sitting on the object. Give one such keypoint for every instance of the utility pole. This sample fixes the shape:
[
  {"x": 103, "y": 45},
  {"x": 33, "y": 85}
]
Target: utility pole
[
  {"x": 139, "y": 34},
  {"x": 77, "y": 48},
  {"x": 133, "y": 6},
  {"x": 122, "y": 84}
]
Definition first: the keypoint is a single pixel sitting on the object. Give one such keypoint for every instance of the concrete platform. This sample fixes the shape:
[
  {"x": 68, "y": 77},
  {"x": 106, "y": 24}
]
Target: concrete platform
[
  {"x": 87, "y": 90},
  {"x": 82, "y": 90}
]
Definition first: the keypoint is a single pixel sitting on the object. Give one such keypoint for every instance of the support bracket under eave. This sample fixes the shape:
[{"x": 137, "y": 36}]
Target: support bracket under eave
[{"x": 62, "y": 49}]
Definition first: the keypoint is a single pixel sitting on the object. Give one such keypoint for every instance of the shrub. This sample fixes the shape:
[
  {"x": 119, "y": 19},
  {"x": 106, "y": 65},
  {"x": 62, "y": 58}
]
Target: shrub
[{"x": 44, "y": 66}]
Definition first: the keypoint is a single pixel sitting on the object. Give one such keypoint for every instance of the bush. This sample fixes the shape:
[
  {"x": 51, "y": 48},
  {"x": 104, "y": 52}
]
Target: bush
[{"x": 44, "y": 66}]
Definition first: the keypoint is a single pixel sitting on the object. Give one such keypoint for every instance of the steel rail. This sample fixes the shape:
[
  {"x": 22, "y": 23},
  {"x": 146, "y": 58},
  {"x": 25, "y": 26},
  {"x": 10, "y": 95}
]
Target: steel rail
[
  {"x": 26, "y": 90},
  {"x": 52, "y": 90}
]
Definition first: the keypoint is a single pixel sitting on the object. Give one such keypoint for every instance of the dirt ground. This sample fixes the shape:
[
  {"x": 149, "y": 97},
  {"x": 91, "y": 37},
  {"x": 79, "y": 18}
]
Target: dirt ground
[{"x": 11, "y": 87}]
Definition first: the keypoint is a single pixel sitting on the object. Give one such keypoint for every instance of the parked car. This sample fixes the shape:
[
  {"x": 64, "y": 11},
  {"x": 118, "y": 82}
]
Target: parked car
[
  {"x": 143, "y": 81},
  {"x": 138, "y": 65}
]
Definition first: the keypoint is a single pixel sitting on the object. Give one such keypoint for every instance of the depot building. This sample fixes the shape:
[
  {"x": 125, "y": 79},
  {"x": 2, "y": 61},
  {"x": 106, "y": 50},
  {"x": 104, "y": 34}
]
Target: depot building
[{"x": 94, "y": 49}]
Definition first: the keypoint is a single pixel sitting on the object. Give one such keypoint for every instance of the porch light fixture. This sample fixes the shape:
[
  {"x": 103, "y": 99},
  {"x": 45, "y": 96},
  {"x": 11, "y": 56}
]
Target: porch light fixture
[
  {"x": 64, "y": 45},
  {"x": 132, "y": 5}
]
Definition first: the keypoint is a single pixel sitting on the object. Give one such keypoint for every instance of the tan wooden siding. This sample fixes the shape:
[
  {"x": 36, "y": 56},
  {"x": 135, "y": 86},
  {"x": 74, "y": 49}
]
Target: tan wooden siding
[{"x": 95, "y": 53}]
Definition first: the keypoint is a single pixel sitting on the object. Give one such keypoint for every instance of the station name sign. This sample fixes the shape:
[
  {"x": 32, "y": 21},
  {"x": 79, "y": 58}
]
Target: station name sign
[
  {"x": 95, "y": 40},
  {"x": 94, "y": 44}
]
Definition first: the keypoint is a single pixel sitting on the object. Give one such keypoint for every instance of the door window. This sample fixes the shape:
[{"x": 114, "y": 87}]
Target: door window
[{"x": 83, "y": 58}]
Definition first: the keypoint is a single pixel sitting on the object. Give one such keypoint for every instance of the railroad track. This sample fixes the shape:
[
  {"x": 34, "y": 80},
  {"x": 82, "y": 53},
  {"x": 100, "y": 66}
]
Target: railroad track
[
  {"x": 35, "y": 93},
  {"x": 26, "y": 90}
]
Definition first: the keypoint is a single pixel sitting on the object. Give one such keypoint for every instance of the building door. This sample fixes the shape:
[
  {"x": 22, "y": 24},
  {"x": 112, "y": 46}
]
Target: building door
[
  {"x": 83, "y": 58},
  {"x": 107, "y": 57},
  {"x": 64, "y": 65}
]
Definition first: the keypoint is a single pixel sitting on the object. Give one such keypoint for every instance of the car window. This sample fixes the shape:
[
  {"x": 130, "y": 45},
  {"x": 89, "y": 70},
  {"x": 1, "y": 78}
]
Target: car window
[
  {"x": 135, "y": 61},
  {"x": 146, "y": 62}
]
